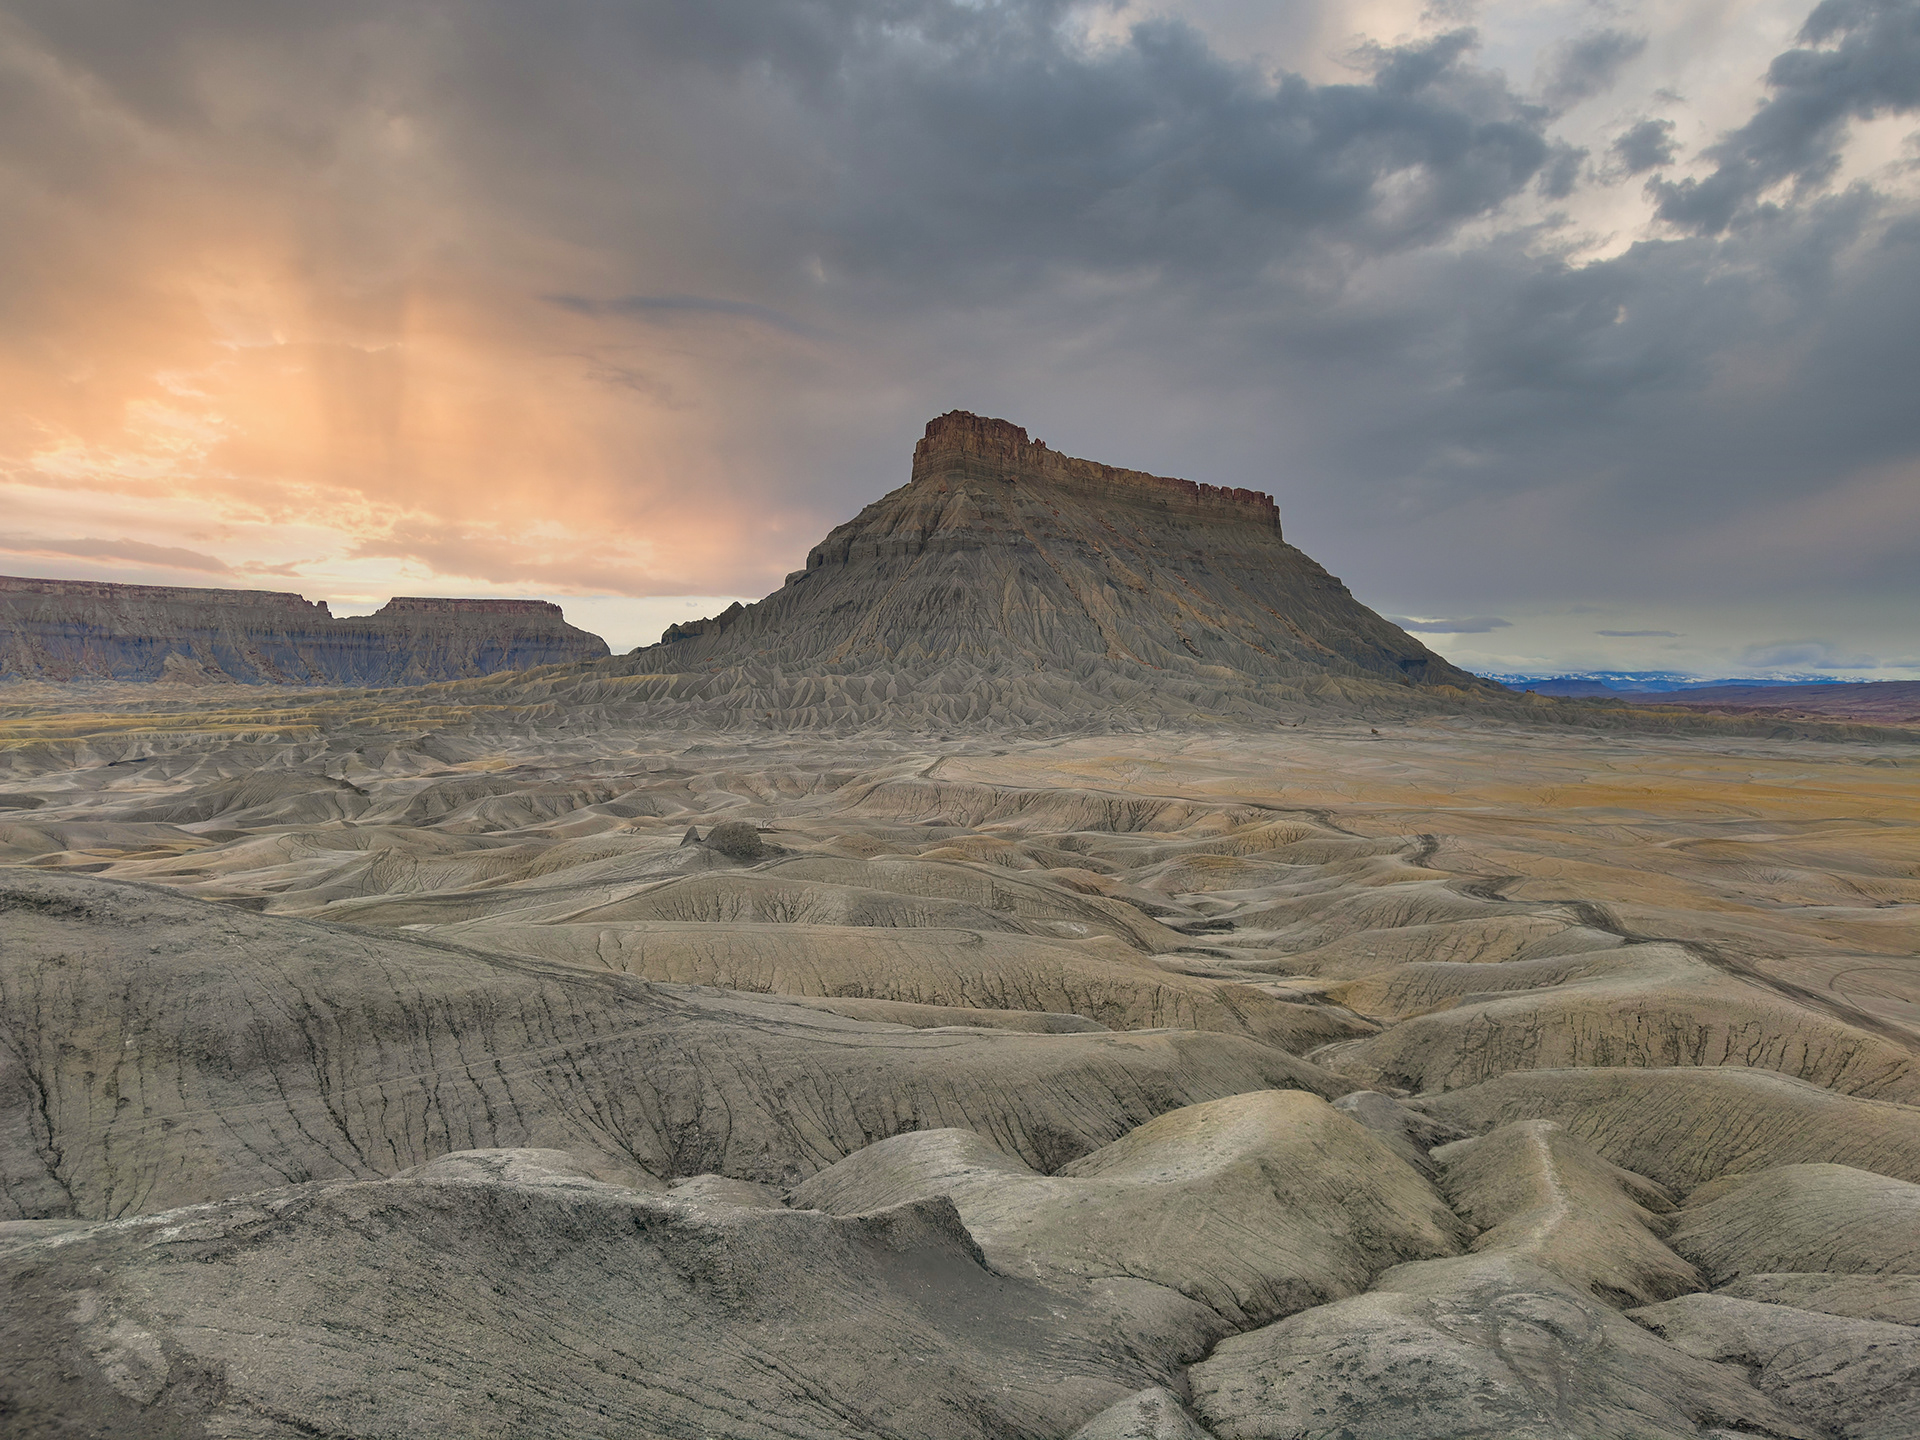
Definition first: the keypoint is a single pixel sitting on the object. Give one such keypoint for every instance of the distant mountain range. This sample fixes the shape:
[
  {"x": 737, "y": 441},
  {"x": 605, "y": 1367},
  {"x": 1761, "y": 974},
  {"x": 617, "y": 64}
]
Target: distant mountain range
[
  {"x": 1877, "y": 702},
  {"x": 1645, "y": 682}
]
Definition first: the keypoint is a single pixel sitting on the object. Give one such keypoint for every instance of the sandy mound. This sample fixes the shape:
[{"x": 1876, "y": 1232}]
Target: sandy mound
[
  {"x": 1803, "y": 1217},
  {"x": 1646, "y": 1006},
  {"x": 1892, "y": 1298},
  {"x": 1681, "y": 1128},
  {"x": 481, "y": 1165},
  {"x": 1859, "y": 1379},
  {"x": 1536, "y": 1192},
  {"x": 1484, "y": 1345},
  {"x": 1255, "y": 1206},
  {"x": 167, "y": 1051},
  {"x": 934, "y": 966}
]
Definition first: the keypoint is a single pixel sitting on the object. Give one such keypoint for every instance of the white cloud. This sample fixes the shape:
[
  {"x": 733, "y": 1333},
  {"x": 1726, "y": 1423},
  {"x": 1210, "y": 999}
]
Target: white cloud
[{"x": 1468, "y": 625}]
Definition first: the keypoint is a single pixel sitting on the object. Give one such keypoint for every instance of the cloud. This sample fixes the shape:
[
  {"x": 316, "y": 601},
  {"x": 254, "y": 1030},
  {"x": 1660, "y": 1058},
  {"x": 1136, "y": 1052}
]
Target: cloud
[
  {"x": 1639, "y": 634},
  {"x": 992, "y": 151},
  {"x": 1470, "y": 625},
  {"x": 1645, "y": 145},
  {"x": 1562, "y": 172},
  {"x": 1805, "y": 655},
  {"x": 1872, "y": 67},
  {"x": 662, "y": 306},
  {"x": 133, "y": 552},
  {"x": 1588, "y": 65}
]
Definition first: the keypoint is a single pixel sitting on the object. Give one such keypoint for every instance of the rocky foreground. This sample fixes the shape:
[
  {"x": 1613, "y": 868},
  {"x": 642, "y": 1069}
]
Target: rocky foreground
[{"x": 369, "y": 1080}]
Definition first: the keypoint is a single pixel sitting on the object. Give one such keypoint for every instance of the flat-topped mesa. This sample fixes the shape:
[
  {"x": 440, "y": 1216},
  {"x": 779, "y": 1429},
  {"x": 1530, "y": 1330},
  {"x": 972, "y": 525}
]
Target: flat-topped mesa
[
  {"x": 440, "y": 605},
  {"x": 161, "y": 594},
  {"x": 962, "y": 446},
  {"x": 63, "y": 630},
  {"x": 1004, "y": 580}
]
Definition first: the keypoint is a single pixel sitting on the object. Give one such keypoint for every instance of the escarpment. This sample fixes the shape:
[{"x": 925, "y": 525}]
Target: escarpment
[
  {"x": 95, "y": 630},
  {"x": 1003, "y": 556},
  {"x": 1009, "y": 586}
]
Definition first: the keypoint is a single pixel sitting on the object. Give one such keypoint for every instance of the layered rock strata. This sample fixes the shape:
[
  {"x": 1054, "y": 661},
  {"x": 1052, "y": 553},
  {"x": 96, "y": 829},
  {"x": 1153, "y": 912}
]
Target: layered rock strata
[
  {"x": 82, "y": 629},
  {"x": 1007, "y": 582}
]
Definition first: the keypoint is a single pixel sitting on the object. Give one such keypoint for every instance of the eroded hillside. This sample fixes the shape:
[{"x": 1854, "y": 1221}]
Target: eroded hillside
[{"x": 1345, "y": 1080}]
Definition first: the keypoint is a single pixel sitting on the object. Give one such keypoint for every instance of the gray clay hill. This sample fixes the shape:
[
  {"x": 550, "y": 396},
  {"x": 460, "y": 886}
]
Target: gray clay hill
[
  {"x": 1004, "y": 555},
  {"x": 832, "y": 1024},
  {"x": 1007, "y": 583}
]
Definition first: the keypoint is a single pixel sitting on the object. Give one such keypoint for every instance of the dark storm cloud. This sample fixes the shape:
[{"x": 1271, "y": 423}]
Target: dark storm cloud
[
  {"x": 974, "y": 148},
  {"x": 926, "y": 144},
  {"x": 1142, "y": 248},
  {"x": 1647, "y": 145},
  {"x": 1562, "y": 173},
  {"x": 1587, "y": 66},
  {"x": 1867, "y": 64}
]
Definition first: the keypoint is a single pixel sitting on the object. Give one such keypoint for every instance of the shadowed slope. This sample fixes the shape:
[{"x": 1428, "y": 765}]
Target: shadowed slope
[
  {"x": 158, "y": 1051},
  {"x": 1683, "y": 1127},
  {"x": 1803, "y": 1218},
  {"x": 509, "y": 1294},
  {"x": 1255, "y": 1206}
]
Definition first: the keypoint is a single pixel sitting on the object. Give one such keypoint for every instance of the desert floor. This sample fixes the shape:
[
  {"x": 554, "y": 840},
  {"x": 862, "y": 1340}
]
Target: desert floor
[{"x": 519, "y": 1075}]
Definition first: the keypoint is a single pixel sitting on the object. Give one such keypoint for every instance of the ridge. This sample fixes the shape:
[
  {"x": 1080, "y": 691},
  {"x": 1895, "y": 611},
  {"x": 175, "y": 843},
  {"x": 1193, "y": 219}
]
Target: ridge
[
  {"x": 441, "y": 605},
  {"x": 961, "y": 446},
  {"x": 62, "y": 630},
  {"x": 160, "y": 594}
]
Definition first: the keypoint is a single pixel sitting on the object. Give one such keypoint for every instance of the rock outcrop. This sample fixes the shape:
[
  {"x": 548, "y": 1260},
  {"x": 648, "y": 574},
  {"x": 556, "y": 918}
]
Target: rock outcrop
[
  {"x": 1480, "y": 1345},
  {"x": 84, "y": 629},
  {"x": 1010, "y": 556},
  {"x": 1008, "y": 583},
  {"x": 512, "y": 1293},
  {"x": 1861, "y": 1378}
]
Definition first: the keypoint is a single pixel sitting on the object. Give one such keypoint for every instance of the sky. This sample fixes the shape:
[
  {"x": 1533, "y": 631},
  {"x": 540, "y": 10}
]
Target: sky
[{"x": 1576, "y": 335}]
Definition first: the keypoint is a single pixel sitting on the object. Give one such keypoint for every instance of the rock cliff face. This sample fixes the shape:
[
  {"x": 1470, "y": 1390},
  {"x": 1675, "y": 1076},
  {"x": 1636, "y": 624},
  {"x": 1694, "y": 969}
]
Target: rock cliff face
[
  {"x": 418, "y": 640},
  {"x": 1038, "y": 585},
  {"x": 80, "y": 629}
]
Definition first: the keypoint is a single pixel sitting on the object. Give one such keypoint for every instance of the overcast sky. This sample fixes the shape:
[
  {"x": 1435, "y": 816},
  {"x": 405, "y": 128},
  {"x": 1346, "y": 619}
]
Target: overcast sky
[{"x": 1579, "y": 335}]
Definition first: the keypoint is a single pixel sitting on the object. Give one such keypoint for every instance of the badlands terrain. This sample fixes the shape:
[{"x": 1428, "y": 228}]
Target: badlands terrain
[
  {"x": 1122, "y": 1015},
  {"x": 1447, "y": 1080}
]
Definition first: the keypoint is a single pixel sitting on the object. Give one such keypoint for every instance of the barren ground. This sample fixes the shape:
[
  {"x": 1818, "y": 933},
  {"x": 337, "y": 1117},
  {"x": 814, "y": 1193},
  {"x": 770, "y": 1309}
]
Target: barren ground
[{"x": 534, "y": 1077}]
